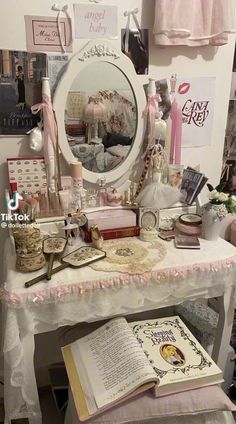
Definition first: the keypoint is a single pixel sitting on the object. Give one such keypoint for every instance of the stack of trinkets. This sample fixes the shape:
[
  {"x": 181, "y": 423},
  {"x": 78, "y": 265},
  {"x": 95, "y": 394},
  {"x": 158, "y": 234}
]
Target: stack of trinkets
[{"x": 129, "y": 197}]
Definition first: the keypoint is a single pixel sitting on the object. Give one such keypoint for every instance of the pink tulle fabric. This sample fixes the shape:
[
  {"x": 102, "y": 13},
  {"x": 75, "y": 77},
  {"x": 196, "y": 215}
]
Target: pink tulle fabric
[{"x": 193, "y": 23}]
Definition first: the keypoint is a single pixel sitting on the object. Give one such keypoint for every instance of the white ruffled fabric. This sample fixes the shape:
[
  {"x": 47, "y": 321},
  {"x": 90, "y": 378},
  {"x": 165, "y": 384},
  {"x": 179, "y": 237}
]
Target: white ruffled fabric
[
  {"x": 74, "y": 296},
  {"x": 158, "y": 195}
]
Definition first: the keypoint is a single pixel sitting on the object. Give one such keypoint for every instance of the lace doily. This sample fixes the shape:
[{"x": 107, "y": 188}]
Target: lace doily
[{"x": 130, "y": 256}]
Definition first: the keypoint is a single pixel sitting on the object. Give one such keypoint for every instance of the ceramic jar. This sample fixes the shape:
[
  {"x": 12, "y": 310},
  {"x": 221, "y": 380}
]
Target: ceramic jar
[
  {"x": 212, "y": 220},
  {"x": 114, "y": 198},
  {"x": 28, "y": 245}
]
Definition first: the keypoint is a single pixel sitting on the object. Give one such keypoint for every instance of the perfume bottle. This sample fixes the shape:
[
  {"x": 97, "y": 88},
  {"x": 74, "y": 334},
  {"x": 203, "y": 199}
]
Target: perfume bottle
[
  {"x": 77, "y": 186},
  {"x": 75, "y": 196},
  {"x": 102, "y": 192}
]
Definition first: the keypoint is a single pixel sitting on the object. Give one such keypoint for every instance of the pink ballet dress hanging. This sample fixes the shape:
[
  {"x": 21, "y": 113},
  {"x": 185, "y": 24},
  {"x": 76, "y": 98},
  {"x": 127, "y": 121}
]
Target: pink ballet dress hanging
[{"x": 193, "y": 22}]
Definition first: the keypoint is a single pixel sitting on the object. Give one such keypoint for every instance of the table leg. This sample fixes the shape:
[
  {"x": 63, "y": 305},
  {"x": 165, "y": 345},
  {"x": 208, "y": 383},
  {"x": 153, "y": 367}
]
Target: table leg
[
  {"x": 224, "y": 328},
  {"x": 30, "y": 385},
  {"x": 21, "y": 394}
]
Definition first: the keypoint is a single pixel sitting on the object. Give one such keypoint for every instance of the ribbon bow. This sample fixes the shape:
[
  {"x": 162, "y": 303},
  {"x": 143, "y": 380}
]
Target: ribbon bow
[
  {"x": 130, "y": 13},
  {"x": 63, "y": 9}
]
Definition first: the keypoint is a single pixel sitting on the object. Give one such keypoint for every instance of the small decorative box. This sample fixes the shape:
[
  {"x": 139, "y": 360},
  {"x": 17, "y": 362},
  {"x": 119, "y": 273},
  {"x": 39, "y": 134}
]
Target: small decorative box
[{"x": 29, "y": 173}]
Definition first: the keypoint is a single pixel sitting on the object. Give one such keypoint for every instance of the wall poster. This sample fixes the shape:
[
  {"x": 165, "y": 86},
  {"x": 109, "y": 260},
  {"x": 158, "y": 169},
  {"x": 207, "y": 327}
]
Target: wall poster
[
  {"x": 138, "y": 50},
  {"x": 47, "y": 34},
  {"x": 196, "y": 97},
  {"x": 95, "y": 21},
  {"x": 20, "y": 88}
]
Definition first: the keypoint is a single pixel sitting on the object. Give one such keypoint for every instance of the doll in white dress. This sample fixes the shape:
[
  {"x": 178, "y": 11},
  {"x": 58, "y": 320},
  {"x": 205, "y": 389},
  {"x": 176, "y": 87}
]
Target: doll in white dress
[{"x": 156, "y": 194}]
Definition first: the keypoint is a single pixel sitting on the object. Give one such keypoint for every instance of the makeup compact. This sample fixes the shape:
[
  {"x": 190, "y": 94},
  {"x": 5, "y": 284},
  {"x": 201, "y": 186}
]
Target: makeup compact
[{"x": 189, "y": 224}]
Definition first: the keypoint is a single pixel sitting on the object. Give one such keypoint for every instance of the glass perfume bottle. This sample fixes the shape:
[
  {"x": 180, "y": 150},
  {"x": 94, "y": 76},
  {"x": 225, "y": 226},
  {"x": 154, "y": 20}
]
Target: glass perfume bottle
[
  {"x": 102, "y": 192},
  {"x": 75, "y": 196},
  {"x": 77, "y": 186}
]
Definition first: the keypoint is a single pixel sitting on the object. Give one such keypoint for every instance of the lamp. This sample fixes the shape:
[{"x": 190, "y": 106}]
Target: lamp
[{"x": 94, "y": 112}]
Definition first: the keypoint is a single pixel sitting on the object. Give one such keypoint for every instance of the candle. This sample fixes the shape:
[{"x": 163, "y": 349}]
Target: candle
[
  {"x": 173, "y": 114},
  {"x": 49, "y": 136},
  {"x": 178, "y": 136},
  {"x": 76, "y": 170},
  {"x": 168, "y": 137}
]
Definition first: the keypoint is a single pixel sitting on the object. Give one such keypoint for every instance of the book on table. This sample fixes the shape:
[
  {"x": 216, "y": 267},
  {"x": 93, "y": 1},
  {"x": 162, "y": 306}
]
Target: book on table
[
  {"x": 121, "y": 359},
  {"x": 192, "y": 183},
  {"x": 186, "y": 242}
]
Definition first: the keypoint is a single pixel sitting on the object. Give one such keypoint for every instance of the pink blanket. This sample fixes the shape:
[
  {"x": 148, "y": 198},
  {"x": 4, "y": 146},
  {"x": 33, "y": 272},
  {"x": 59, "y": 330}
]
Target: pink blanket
[{"x": 193, "y": 22}]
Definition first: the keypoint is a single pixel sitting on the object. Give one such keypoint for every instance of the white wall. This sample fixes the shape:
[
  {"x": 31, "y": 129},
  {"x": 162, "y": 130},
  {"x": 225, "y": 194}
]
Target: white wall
[{"x": 206, "y": 61}]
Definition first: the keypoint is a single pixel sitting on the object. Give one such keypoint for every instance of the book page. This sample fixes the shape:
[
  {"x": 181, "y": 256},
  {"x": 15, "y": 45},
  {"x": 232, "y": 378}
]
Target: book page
[
  {"x": 113, "y": 361},
  {"x": 176, "y": 356}
]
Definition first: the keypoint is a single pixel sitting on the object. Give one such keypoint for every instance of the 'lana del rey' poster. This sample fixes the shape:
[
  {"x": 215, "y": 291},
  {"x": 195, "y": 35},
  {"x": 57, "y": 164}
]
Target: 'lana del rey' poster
[{"x": 196, "y": 98}]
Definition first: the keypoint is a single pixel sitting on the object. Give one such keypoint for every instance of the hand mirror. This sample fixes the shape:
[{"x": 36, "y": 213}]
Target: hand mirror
[{"x": 76, "y": 259}]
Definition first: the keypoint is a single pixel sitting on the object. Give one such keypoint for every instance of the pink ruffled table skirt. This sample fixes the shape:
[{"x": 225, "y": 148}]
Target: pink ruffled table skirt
[{"x": 85, "y": 295}]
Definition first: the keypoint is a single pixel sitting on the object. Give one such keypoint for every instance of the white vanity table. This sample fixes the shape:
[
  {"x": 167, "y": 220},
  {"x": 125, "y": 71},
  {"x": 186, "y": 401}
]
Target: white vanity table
[
  {"x": 74, "y": 296},
  {"x": 85, "y": 295}
]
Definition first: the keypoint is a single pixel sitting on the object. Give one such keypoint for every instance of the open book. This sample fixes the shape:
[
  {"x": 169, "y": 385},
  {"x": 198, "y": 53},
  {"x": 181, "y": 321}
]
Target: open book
[{"x": 121, "y": 359}]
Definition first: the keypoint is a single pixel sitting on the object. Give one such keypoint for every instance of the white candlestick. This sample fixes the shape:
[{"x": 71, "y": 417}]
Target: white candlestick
[{"x": 49, "y": 147}]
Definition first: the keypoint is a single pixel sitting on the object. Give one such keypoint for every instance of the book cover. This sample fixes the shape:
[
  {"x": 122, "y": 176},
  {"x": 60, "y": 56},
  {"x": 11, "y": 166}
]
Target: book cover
[
  {"x": 108, "y": 219},
  {"x": 186, "y": 242},
  {"x": 111, "y": 233},
  {"x": 178, "y": 359},
  {"x": 191, "y": 181}
]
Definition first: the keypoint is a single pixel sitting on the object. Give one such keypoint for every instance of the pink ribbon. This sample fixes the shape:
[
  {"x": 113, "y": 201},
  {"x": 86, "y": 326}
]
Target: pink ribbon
[
  {"x": 176, "y": 134},
  {"x": 49, "y": 125},
  {"x": 150, "y": 113}
]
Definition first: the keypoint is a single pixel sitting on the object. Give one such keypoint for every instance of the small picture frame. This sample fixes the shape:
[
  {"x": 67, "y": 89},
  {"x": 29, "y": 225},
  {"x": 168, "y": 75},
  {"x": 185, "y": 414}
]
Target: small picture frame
[{"x": 148, "y": 218}]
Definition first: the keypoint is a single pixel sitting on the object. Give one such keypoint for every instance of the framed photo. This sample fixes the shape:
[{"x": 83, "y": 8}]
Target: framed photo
[
  {"x": 148, "y": 217},
  {"x": 138, "y": 50},
  {"x": 20, "y": 88}
]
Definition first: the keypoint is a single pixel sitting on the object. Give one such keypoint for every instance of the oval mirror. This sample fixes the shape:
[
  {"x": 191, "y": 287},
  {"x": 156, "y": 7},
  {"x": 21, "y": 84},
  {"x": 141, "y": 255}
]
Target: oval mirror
[{"x": 98, "y": 104}]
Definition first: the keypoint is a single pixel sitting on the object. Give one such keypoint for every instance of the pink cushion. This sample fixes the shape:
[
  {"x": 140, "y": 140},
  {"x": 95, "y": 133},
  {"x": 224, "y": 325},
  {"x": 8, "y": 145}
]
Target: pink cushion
[{"x": 142, "y": 408}]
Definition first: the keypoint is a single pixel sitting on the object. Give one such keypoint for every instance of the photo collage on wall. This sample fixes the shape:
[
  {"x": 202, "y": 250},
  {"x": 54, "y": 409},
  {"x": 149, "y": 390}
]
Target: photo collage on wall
[{"x": 228, "y": 174}]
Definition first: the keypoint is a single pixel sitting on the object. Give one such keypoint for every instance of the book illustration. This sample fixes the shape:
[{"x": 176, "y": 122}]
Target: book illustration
[
  {"x": 172, "y": 354},
  {"x": 189, "y": 360}
]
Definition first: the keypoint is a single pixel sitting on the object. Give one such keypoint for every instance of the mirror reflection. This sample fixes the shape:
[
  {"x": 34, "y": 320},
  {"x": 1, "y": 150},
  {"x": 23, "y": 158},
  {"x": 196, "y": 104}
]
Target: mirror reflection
[{"x": 100, "y": 117}]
